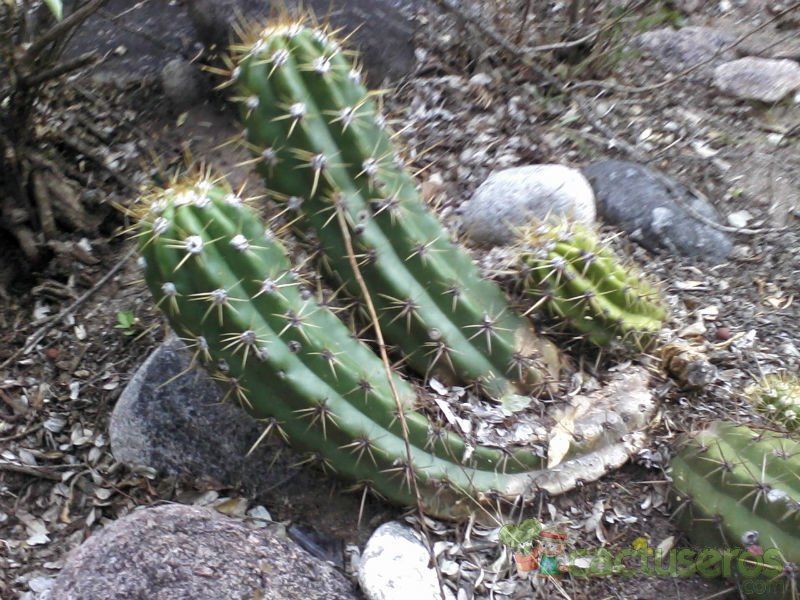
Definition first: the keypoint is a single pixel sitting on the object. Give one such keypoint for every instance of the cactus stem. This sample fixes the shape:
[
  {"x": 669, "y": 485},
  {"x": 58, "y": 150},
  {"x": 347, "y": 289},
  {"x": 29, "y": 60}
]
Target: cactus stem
[
  {"x": 242, "y": 342},
  {"x": 422, "y": 250},
  {"x": 296, "y": 320},
  {"x": 218, "y": 299},
  {"x": 438, "y": 349}
]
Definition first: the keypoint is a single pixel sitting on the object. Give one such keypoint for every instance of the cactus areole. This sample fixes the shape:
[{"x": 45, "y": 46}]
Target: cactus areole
[
  {"x": 739, "y": 489},
  {"x": 228, "y": 288},
  {"x": 324, "y": 149}
]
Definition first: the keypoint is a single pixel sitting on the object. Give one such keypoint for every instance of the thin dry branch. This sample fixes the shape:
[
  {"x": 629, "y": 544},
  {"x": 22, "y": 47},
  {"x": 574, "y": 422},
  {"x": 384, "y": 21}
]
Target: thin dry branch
[{"x": 373, "y": 315}]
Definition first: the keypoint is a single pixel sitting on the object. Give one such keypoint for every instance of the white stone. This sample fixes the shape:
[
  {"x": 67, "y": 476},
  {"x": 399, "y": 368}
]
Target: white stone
[
  {"x": 394, "y": 566},
  {"x": 753, "y": 78},
  {"x": 513, "y": 198},
  {"x": 740, "y": 218}
]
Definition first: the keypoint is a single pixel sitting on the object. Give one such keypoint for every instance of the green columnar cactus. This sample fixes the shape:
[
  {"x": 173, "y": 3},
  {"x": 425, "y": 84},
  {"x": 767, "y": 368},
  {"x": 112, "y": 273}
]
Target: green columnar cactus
[
  {"x": 778, "y": 397},
  {"x": 582, "y": 282},
  {"x": 228, "y": 288},
  {"x": 324, "y": 149},
  {"x": 738, "y": 488}
]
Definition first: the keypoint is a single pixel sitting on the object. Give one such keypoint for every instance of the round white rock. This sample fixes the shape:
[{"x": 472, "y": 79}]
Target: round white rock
[
  {"x": 394, "y": 566},
  {"x": 512, "y": 198}
]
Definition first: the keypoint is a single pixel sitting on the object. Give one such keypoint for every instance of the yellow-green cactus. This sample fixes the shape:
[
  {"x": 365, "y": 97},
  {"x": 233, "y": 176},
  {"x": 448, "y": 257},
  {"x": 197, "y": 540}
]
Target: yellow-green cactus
[{"x": 582, "y": 283}]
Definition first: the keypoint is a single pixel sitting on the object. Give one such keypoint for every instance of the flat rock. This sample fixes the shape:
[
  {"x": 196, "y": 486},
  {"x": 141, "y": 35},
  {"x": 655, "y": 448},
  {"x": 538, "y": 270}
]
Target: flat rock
[
  {"x": 656, "y": 211},
  {"x": 165, "y": 417},
  {"x": 394, "y": 566},
  {"x": 176, "y": 551},
  {"x": 513, "y": 198},
  {"x": 679, "y": 49},
  {"x": 762, "y": 79}
]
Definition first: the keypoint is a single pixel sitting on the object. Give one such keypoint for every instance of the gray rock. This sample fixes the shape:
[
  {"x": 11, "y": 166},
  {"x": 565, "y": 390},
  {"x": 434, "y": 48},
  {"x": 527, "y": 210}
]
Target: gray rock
[
  {"x": 182, "y": 83},
  {"x": 394, "y": 566},
  {"x": 679, "y": 49},
  {"x": 174, "y": 551},
  {"x": 513, "y": 198},
  {"x": 656, "y": 211},
  {"x": 384, "y": 28},
  {"x": 762, "y": 79},
  {"x": 173, "y": 420}
]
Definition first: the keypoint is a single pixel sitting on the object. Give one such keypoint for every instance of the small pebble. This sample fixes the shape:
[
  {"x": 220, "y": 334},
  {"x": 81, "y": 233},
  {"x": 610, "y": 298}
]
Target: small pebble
[{"x": 723, "y": 333}]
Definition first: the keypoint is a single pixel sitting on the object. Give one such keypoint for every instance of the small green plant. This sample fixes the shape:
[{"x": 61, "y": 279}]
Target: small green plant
[
  {"x": 127, "y": 322},
  {"x": 521, "y": 537}
]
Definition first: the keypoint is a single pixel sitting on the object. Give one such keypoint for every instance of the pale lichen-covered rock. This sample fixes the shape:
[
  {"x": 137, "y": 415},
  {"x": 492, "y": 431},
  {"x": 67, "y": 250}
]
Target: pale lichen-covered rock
[
  {"x": 762, "y": 79},
  {"x": 513, "y": 198}
]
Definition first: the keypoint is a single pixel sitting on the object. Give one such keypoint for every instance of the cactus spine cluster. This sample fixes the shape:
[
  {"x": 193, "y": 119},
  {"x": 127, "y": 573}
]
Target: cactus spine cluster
[
  {"x": 323, "y": 148},
  {"x": 582, "y": 283},
  {"x": 777, "y": 396},
  {"x": 740, "y": 489},
  {"x": 227, "y": 287}
]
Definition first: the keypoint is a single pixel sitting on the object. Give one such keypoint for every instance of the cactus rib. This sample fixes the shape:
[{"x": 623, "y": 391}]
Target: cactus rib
[{"x": 322, "y": 146}]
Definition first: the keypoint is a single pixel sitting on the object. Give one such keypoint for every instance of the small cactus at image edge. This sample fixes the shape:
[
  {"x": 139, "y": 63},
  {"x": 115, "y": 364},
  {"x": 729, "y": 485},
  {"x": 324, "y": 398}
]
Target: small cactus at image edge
[
  {"x": 736, "y": 488},
  {"x": 777, "y": 397}
]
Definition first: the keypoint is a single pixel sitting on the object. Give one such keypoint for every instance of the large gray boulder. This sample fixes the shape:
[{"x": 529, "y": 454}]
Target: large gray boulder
[
  {"x": 173, "y": 419},
  {"x": 656, "y": 211},
  {"x": 177, "y": 552}
]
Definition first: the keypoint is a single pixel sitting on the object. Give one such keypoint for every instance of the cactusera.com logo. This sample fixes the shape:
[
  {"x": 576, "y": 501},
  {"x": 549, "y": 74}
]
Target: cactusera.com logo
[{"x": 541, "y": 552}]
